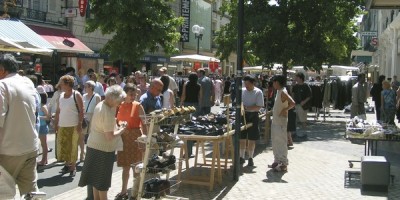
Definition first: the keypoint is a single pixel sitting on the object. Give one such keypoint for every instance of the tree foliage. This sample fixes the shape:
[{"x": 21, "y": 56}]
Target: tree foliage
[
  {"x": 137, "y": 26},
  {"x": 301, "y": 32}
]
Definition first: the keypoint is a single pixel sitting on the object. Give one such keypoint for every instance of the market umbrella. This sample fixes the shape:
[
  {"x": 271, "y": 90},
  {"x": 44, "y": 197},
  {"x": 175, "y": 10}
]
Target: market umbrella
[{"x": 194, "y": 58}]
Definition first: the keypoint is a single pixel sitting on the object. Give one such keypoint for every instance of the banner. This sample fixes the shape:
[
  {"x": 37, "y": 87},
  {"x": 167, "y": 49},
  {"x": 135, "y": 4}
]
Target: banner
[
  {"x": 185, "y": 13},
  {"x": 82, "y": 7}
]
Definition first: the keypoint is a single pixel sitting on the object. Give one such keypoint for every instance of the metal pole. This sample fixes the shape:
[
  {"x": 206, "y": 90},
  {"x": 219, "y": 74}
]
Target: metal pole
[
  {"x": 198, "y": 44},
  {"x": 238, "y": 89}
]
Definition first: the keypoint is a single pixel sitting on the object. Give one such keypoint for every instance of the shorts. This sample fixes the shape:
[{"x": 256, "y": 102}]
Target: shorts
[
  {"x": 301, "y": 113},
  {"x": 253, "y": 132},
  {"x": 43, "y": 130}
]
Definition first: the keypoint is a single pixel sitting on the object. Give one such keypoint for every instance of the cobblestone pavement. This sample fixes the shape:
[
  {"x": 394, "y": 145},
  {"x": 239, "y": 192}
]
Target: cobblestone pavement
[{"x": 316, "y": 171}]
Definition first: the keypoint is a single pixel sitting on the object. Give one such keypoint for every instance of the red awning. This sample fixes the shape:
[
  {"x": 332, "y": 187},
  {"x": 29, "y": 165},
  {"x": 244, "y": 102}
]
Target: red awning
[{"x": 63, "y": 40}]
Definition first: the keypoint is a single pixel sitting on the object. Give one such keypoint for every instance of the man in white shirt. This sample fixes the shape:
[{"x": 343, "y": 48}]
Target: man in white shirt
[
  {"x": 18, "y": 143},
  {"x": 98, "y": 88}
]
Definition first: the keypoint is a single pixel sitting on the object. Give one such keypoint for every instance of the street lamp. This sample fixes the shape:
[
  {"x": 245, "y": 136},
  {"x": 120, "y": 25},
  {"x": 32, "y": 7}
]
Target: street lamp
[{"x": 198, "y": 34}]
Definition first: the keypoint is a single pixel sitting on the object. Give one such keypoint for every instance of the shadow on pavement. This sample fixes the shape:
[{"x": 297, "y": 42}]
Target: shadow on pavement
[{"x": 274, "y": 177}]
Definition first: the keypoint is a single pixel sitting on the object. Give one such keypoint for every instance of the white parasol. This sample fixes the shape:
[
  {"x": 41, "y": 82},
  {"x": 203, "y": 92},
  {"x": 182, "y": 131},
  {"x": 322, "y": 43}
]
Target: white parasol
[{"x": 194, "y": 58}]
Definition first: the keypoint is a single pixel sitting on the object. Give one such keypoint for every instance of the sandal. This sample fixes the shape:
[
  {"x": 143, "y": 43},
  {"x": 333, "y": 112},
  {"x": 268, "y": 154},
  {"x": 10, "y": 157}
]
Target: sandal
[
  {"x": 82, "y": 157},
  {"x": 42, "y": 163},
  {"x": 120, "y": 196}
]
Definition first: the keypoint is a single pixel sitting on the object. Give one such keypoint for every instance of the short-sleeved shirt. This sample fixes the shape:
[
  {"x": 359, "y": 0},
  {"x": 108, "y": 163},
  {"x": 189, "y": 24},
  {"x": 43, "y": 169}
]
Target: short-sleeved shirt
[
  {"x": 207, "y": 88},
  {"x": 301, "y": 92},
  {"x": 150, "y": 102},
  {"x": 103, "y": 121},
  {"x": 254, "y": 97},
  {"x": 98, "y": 89},
  {"x": 129, "y": 112},
  {"x": 389, "y": 99}
]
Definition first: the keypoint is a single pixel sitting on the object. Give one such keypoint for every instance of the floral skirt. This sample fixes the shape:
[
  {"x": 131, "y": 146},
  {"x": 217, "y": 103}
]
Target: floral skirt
[
  {"x": 131, "y": 152},
  {"x": 67, "y": 144}
]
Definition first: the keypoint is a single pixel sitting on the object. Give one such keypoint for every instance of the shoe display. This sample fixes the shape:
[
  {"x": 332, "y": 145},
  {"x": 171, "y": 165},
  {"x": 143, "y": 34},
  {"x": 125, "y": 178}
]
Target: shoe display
[
  {"x": 241, "y": 160},
  {"x": 250, "y": 162},
  {"x": 120, "y": 196}
]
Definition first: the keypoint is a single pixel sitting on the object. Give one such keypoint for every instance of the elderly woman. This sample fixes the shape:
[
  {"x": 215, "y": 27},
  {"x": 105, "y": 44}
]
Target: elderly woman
[
  {"x": 388, "y": 103},
  {"x": 130, "y": 111},
  {"x": 90, "y": 100},
  {"x": 68, "y": 124},
  {"x": 102, "y": 143}
]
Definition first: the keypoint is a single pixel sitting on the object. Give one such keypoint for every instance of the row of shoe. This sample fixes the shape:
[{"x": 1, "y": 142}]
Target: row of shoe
[{"x": 156, "y": 187}]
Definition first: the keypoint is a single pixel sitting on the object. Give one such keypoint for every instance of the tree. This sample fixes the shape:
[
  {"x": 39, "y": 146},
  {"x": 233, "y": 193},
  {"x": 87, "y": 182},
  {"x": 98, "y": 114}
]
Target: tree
[
  {"x": 304, "y": 32},
  {"x": 137, "y": 26}
]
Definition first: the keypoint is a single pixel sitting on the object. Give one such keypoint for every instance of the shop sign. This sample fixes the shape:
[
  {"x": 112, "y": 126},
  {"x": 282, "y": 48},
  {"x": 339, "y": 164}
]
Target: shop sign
[
  {"x": 82, "y": 7},
  {"x": 185, "y": 14},
  {"x": 213, "y": 66}
]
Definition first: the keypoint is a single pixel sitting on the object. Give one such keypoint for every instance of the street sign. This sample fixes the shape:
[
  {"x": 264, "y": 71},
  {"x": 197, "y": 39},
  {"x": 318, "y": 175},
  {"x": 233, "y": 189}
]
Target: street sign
[{"x": 369, "y": 33}]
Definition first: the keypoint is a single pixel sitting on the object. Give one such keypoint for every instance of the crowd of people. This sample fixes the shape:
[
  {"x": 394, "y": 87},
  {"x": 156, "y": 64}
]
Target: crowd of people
[{"x": 107, "y": 114}]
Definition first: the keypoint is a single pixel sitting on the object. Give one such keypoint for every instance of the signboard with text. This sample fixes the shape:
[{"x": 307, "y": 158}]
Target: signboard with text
[
  {"x": 82, "y": 7},
  {"x": 185, "y": 13}
]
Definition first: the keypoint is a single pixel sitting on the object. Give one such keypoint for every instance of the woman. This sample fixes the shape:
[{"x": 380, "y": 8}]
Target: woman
[
  {"x": 111, "y": 81},
  {"x": 102, "y": 80},
  {"x": 283, "y": 103},
  {"x": 388, "y": 101},
  {"x": 218, "y": 90},
  {"x": 130, "y": 111},
  {"x": 102, "y": 143},
  {"x": 143, "y": 85},
  {"x": 130, "y": 79},
  {"x": 167, "y": 94},
  {"x": 68, "y": 124},
  {"x": 191, "y": 93},
  {"x": 43, "y": 128},
  {"x": 90, "y": 100}
]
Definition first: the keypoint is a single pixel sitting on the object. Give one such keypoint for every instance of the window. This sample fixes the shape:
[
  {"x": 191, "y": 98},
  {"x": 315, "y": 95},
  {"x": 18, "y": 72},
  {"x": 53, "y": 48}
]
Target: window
[{"x": 51, "y": 6}]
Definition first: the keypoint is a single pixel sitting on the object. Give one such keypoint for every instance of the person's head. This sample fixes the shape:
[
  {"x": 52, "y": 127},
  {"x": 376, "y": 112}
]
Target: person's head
[
  {"x": 93, "y": 76},
  {"x": 131, "y": 79},
  {"x": 66, "y": 82},
  {"x": 39, "y": 79},
  {"x": 102, "y": 78},
  {"x": 385, "y": 85},
  {"x": 114, "y": 95},
  {"x": 162, "y": 71},
  {"x": 381, "y": 79},
  {"x": 43, "y": 98},
  {"x": 156, "y": 87},
  {"x": 278, "y": 81},
  {"x": 249, "y": 81},
  {"x": 70, "y": 71},
  {"x": 299, "y": 77},
  {"x": 318, "y": 78},
  {"x": 8, "y": 65},
  {"x": 34, "y": 80},
  {"x": 89, "y": 71},
  {"x": 131, "y": 92},
  {"x": 193, "y": 78},
  {"x": 111, "y": 81},
  {"x": 89, "y": 86},
  {"x": 165, "y": 80},
  {"x": 119, "y": 78},
  {"x": 361, "y": 78},
  {"x": 21, "y": 72},
  {"x": 394, "y": 78},
  {"x": 201, "y": 72}
]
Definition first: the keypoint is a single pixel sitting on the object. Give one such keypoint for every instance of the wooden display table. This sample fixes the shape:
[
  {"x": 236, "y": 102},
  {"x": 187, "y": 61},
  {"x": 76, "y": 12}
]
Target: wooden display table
[{"x": 214, "y": 163}]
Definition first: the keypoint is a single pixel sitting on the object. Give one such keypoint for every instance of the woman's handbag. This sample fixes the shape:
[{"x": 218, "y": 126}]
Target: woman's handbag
[{"x": 85, "y": 121}]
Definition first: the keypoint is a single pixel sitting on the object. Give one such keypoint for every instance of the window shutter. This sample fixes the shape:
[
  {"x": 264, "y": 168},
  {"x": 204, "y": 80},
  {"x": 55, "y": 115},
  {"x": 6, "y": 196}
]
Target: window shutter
[{"x": 51, "y": 6}]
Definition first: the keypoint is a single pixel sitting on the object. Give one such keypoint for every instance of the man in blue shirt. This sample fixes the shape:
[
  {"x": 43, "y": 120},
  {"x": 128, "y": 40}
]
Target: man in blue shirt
[
  {"x": 151, "y": 100},
  {"x": 207, "y": 94}
]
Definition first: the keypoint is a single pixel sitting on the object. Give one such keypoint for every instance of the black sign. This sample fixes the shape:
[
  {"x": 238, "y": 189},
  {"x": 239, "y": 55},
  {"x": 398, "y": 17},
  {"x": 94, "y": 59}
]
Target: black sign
[
  {"x": 185, "y": 13},
  {"x": 69, "y": 43}
]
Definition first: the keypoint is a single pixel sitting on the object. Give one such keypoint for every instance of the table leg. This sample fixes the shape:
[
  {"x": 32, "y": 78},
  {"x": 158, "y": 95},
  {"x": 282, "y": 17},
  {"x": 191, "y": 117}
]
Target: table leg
[
  {"x": 197, "y": 154},
  {"x": 212, "y": 173}
]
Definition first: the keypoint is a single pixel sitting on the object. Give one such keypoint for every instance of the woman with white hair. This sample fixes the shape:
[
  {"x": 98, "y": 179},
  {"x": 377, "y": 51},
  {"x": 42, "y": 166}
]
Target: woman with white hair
[
  {"x": 90, "y": 100},
  {"x": 102, "y": 143}
]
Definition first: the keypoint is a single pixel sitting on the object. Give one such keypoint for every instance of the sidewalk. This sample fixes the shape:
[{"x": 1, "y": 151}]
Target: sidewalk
[{"x": 316, "y": 171}]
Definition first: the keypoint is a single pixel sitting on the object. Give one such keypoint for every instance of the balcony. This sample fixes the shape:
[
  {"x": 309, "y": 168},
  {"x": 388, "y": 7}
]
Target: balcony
[{"x": 37, "y": 15}]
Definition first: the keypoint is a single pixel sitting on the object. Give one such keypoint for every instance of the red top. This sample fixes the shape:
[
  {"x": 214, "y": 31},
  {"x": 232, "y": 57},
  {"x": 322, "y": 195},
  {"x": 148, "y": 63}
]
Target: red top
[{"x": 129, "y": 112}]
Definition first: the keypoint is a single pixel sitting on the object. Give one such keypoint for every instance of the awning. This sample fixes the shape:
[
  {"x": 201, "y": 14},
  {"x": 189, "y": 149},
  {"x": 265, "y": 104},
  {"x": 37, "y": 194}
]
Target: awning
[
  {"x": 15, "y": 36},
  {"x": 382, "y": 4},
  {"x": 62, "y": 40},
  {"x": 194, "y": 58}
]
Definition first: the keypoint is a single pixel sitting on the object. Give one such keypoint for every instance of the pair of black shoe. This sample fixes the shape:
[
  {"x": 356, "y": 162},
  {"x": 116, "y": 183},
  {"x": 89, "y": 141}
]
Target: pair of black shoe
[
  {"x": 250, "y": 162},
  {"x": 66, "y": 169}
]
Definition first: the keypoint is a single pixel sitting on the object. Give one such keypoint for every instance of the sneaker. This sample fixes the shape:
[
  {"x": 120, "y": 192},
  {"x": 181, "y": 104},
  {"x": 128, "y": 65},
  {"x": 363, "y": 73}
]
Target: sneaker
[
  {"x": 273, "y": 165},
  {"x": 250, "y": 163},
  {"x": 120, "y": 196},
  {"x": 241, "y": 160}
]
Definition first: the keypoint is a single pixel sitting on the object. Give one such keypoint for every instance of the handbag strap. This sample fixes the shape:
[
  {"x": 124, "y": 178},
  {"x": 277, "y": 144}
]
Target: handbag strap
[
  {"x": 76, "y": 104},
  {"x": 88, "y": 103}
]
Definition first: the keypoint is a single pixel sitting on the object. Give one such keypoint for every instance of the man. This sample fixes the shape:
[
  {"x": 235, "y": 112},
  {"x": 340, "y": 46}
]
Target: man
[
  {"x": 207, "y": 94},
  {"x": 120, "y": 80},
  {"x": 86, "y": 76},
  {"x": 19, "y": 141},
  {"x": 302, "y": 96},
  {"x": 78, "y": 84},
  {"x": 172, "y": 83},
  {"x": 253, "y": 101},
  {"x": 151, "y": 99},
  {"x": 376, "y": 96},
  {"x": 99, "y": 87},
  {"x": 359, "y": 97},
  {"x": 395, "y": 83}
]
